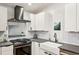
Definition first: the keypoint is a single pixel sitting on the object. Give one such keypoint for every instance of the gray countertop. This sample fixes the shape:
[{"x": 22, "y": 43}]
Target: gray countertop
[
  {"x": 70, "y": 47},
  {"x": 39, "y": 40},
  {"x": 66, "y": 46},
  {"x": 4, "y": 44}
]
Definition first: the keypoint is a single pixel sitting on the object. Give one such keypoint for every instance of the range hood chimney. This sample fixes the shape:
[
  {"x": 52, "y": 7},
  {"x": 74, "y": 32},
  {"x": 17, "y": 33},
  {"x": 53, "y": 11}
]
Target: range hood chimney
[
  {"x": 18, "y": 12},
  {"x": 18, "y": 15}
]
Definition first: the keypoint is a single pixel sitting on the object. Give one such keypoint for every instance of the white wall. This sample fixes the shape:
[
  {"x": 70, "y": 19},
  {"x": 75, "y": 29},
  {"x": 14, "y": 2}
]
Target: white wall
[{"x": 17, "y": 29}]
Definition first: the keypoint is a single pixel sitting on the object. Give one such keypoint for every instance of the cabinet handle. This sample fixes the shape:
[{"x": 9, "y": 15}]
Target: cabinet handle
[
  {"x": 50, "y": 54},
  {"x": 7, "y": 45},
  {"x": 6, "y": 27},
  {"x": 39, "y": 44},
  {"x": 45, "y": 52}
]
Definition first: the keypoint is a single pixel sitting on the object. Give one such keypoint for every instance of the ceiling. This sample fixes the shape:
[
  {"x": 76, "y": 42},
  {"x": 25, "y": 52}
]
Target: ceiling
[{"x": 34, "y": 8}]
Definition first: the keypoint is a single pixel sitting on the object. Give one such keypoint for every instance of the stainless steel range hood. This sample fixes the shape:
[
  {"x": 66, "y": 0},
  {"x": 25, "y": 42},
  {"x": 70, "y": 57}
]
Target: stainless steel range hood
[{"x": 18, "y": 15}]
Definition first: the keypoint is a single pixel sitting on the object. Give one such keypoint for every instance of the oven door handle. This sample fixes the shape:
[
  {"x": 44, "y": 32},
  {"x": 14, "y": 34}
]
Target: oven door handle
[{"x": 6, "y": 45}]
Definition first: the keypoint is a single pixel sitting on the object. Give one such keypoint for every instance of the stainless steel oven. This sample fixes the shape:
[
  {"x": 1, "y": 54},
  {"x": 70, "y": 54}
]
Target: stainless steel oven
[{"x": 22, "y": 46}]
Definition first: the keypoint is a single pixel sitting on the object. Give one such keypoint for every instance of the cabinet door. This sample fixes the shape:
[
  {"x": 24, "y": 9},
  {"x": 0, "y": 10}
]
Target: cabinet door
[
  {"x": 40, "y": 21},
  {"x": 35, "y": 48},
  {"x": 70, "y": 17},
  {"x": 77, "y": 16},
  {"x": 48, "y": 21},
  {"x": 3, "y": 18},
  {"x": 43, "y": 52},
  {"x": 33, "y": 22},
  {"x": 7, "y": 53},
  {"x": 7, "y": 50},
  {"x": 26, "y": 15},
  {"x": 0, "y": 51}
]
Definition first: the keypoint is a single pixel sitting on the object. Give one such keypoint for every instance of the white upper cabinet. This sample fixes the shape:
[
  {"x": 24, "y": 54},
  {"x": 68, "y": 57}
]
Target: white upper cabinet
[
  {"x": 42, "y": 21},
  {"x": 70, "y": 17},
  {"x": 26, "y": 15},
  {"x": 3, "y": 18},
  {"x": 32, "y": 17},
  {"x": 77, "y": 16}
]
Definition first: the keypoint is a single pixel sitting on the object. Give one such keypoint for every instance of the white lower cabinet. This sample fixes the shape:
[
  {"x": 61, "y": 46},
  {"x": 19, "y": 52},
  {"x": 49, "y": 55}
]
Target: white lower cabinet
[
  {"x": 45, "y": 52},
  {"x": 54, "y": 51},
  {"x": 8, "y": 50},
  {"x": 7, "y": 53},
  {"x": 38, "y": 50},
  {"x": 35, "y": 48}
]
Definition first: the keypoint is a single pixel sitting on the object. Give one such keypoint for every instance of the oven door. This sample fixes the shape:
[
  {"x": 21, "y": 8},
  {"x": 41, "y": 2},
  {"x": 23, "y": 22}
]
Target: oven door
[{"x": 22, "y": 50}]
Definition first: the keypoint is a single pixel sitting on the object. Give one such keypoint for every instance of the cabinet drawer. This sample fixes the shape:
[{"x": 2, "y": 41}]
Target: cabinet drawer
[
  {"x": 7, "y": 53},
  {"x": 51, "y": 49},
  {"x": 8, "y": 48},
  {"x": 44, "y": 52}
]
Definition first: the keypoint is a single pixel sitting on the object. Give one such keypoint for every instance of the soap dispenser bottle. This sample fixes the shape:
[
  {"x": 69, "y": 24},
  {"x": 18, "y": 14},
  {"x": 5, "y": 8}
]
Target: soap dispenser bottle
[
  {"x": 49, "y": 38},
  {"x": 55, "y": 37}
]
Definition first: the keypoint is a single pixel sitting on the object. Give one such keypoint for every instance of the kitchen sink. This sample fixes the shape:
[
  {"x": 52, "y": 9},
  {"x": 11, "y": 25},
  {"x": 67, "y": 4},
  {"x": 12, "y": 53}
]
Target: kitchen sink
[
  {"x": 51, "y": 47},
  {"x": 51, "y": 44}
]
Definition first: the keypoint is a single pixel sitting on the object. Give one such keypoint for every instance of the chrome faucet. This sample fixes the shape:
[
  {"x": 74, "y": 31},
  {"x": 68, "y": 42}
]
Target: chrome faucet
[
  {"x": 49, "y": 38},
  {"x": 55, "y": 36}
]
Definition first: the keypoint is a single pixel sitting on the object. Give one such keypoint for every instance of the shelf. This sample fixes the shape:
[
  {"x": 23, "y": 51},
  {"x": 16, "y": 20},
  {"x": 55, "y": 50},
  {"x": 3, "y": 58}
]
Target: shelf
[
  {"x": 37, "y": 31},
  {"x": 19, "y": 21},
  {"x": 12, "y": 23},
  {"x": 16, "y": 36}
]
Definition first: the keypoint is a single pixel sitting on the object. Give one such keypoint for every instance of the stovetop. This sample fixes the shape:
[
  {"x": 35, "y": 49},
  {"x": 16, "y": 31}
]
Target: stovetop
[{"x": 22, "y": 41}]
